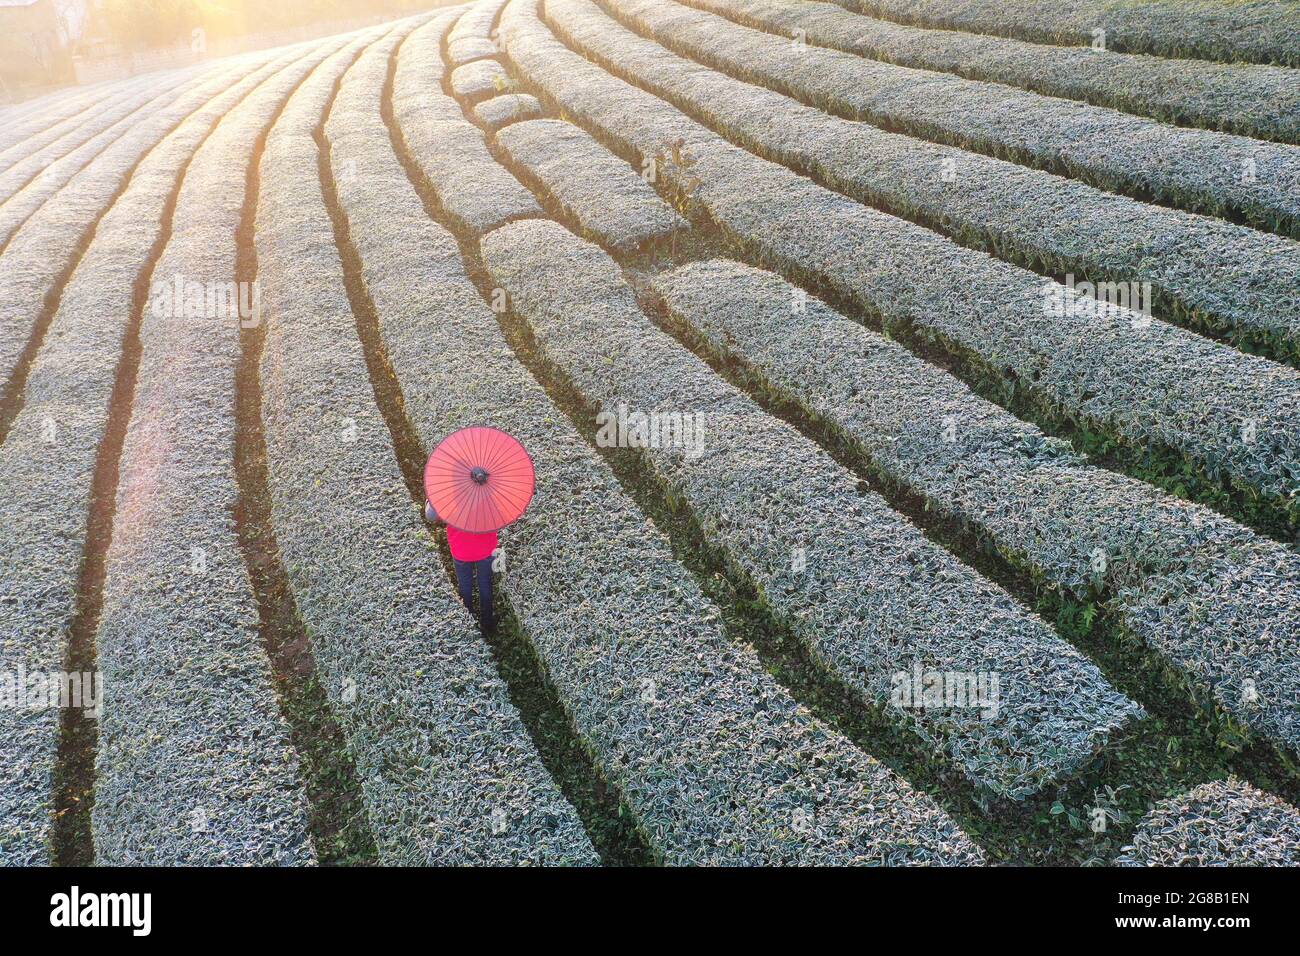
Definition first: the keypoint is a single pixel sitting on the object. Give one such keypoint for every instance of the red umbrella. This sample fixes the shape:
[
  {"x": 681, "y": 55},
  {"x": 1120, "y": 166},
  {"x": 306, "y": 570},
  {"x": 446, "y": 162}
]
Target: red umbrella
[{"x": 479, "y": 479}]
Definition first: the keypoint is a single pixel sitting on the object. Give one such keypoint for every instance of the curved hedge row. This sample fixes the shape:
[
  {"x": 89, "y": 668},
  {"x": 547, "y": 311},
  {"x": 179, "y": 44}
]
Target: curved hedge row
[
  {"x": 45, "y": 122},
  {"x": 1223, "y": 823},
  {"x": 476, "y": 23},
  {"x": 36, "y": 117},
  {"x": 471, "y": 49},
  {"x": 861, "y": 587},
  {"x": 40, "y": 111},
  {"x": 636, "y": 121},
  {"x": 48, "y": 149},
  {"x": 56, "y": 174},
  {"x": 1210, "y": 271},
  {"x": 476, "y": 192},
  {"x": 1231, "y": 415},
  {"x": 1199, "y": 170},
  {"x": 1264, "y": 31},
  {"x": 479, "y": 80},
  {"x": 508, "y": 108},
  {"x": 1071, "y": 525},
  {"x": 1259, "y": 101},
  {"x": 448, "y": 773},
  {"x": 712, "y": 757},
  {"x": 1148, "y": 383},
  {"x": 597, "y": 189},
  {"x": 195, "y": 765},
  {"x": 47, "y": 495},
  {"x": 472, "y": 37},
  {"x": 47, "y": 242}
]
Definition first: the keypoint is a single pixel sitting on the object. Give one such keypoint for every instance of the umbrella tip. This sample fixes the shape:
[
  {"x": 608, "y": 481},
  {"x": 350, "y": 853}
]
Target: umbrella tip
[{"x": 479, "y": 475}]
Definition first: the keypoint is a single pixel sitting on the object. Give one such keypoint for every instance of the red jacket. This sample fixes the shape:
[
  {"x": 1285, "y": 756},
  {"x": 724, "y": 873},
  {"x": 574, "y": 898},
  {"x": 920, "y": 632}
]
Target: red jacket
[{"x": 467, "y": 546}]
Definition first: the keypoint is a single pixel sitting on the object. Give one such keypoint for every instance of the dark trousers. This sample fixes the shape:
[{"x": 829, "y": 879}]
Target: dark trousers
[{"x": 465, "y": 571}]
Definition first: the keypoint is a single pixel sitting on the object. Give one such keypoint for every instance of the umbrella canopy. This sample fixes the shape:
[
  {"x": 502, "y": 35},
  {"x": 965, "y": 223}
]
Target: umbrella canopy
[{"x": 479, "y": 479}]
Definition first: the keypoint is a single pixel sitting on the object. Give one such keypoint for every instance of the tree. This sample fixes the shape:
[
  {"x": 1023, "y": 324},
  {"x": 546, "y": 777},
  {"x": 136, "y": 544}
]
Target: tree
[{"x": 135, "y": 24}]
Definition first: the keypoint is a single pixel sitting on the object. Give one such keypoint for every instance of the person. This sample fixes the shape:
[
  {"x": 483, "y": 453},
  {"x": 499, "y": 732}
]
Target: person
[{"x": 472, "y": 555}]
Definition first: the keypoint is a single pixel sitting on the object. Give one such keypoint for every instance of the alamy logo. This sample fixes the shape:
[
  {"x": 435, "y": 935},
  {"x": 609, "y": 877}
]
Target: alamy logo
[
  {"x": 22, "y": 689},
  {"x": 920, "y": 689},
  {"x": 629, "y": 429},
  {"x": 103, "y": 909},
  {"x": 1093, "y": 298},
  {"x": 184, "y": 298}
]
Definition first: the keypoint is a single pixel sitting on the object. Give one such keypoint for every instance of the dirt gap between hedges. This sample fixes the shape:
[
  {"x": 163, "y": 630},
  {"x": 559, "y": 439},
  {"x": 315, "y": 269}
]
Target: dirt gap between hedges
[{"x": 337, "y": 818}]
